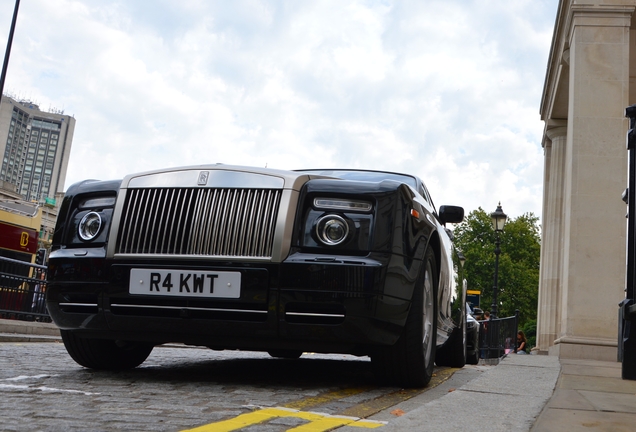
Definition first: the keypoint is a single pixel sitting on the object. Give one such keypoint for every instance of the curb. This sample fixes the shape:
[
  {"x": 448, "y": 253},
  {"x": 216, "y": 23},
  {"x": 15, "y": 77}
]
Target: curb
[{"x": 28, "y": 331}]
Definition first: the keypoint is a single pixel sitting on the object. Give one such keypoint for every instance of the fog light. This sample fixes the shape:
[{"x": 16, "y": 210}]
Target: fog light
[
  {"x": 89, "y": 226},
  {"x": 332, "y": 230}
]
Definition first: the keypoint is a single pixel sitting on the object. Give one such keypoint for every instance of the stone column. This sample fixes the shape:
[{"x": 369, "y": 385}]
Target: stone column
[
  {"x": 552, "y": 243},
  {"x": 593, "y": 258},
  {"x": 543, "y": 341}
]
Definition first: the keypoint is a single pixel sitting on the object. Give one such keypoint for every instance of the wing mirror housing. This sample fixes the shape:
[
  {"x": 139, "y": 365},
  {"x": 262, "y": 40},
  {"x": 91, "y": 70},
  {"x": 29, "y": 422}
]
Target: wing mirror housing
[{"x": 451, "y": 214}]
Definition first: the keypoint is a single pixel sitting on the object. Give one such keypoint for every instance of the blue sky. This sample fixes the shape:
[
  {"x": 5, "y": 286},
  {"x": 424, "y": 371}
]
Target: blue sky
[{"x": 448, "y": 90}]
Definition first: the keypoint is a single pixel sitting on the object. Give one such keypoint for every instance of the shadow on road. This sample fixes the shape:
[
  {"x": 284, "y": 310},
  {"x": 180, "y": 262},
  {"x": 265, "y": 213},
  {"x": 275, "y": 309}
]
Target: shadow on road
[{"x": 305, "y": 372}]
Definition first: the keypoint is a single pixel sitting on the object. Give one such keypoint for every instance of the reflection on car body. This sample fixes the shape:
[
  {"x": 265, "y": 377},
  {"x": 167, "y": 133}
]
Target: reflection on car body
[{"x": 331, "y": 261}]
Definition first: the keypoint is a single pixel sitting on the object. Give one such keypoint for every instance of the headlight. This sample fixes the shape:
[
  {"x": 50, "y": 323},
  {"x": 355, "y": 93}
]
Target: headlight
[
  {"x": 332, "y": 230},
  {"x": 90, "y": 226}
]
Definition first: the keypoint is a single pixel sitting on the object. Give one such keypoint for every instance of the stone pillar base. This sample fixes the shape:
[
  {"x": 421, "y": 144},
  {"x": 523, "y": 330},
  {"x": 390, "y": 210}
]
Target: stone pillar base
[{"x": 568, "y": 347}]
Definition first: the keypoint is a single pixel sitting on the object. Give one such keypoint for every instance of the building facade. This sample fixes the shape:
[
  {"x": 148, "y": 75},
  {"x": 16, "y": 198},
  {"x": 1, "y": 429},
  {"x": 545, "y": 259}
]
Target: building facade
[
  {"x": 589, "y": 82},
  {"x": 35, "y": 146}
]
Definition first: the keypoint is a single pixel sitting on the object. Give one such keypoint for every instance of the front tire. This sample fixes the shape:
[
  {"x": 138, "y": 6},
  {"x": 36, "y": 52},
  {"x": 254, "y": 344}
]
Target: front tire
[
  {"x": 410, "y": 362},
  {"x": 105, "y": 354}
]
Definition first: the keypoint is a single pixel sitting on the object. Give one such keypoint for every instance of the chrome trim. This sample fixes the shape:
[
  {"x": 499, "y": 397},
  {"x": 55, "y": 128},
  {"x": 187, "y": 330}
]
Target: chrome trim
[
  {"x": 169, "y": 257},
  {"x": 82, "y": 226},
  {"x": 240, "y": 176},
  {"x": 79, "y": 304},
  {"x": 342, "y": 204},
  {"x": 187, "y": 308},
  {"x": 315, "y": 314},
  {"x": 284, "y": 225},
  {"x": 216, "y": 178}
]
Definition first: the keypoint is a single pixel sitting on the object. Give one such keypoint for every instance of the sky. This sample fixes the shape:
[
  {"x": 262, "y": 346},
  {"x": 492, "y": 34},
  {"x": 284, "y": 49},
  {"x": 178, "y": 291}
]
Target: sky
[{"x": 448, "y": 90}]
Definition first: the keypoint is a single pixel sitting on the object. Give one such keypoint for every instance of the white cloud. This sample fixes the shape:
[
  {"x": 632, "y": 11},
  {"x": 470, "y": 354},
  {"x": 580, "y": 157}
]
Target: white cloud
[{"x": 445, "y": 89}]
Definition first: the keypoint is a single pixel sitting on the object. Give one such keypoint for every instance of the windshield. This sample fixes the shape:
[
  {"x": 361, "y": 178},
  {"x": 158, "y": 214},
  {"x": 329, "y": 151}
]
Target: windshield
[{"x": 369, "y": 176}]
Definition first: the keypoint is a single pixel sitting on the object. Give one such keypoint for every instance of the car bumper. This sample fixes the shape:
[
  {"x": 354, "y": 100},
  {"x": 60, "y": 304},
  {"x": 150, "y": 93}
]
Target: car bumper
[{"x": 348, "y": 306}]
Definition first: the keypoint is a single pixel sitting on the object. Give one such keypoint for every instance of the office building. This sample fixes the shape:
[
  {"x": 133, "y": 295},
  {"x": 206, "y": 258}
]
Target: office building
[{"x": 35, "y": 146}]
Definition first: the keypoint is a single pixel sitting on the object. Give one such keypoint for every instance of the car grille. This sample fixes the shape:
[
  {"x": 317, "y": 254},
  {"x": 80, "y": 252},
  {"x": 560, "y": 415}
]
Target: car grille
[{"x": 199, "y": 221}]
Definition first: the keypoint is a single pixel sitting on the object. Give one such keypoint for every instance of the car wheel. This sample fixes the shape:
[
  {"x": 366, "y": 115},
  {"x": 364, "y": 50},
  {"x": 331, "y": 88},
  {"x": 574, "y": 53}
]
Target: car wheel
[
  {"x": 410, "y": 362},
  {"x": 453, "y": 353},
  {"x": 105, "y": 354},
  {"x": 473, "y": 358},
  {"x": 286, "y": 354}
]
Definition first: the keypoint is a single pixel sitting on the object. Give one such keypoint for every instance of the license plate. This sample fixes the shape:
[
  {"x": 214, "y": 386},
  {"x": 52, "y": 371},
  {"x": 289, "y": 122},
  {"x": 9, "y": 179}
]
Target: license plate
[{"x": 185, "y": 283}]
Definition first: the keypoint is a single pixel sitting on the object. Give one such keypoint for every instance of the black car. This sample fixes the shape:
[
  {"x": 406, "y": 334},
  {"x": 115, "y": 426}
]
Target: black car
[
  {"x": 330, "y": 261},
  {"x": 472, "y": 337}
]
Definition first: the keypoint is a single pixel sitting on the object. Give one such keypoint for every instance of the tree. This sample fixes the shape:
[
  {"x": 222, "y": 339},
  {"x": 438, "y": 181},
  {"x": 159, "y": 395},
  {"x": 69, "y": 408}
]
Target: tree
[{"x": 518, "y": 279}]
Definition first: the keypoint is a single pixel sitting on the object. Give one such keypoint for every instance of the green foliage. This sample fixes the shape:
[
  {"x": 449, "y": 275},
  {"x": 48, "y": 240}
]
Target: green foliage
[{"x": 518, "y": 279}]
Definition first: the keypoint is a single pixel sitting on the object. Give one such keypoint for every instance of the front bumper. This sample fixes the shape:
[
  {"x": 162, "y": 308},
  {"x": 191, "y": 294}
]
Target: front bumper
[{"x": 305, "y": 303}]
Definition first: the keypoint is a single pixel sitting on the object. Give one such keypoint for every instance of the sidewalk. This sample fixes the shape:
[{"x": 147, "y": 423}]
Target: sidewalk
[
  {"x": 590, "y": 396},
  {"x": 530, "y": 393},
  {"x": 28, "y": 331},
  {"x": 506, "y": 397}
]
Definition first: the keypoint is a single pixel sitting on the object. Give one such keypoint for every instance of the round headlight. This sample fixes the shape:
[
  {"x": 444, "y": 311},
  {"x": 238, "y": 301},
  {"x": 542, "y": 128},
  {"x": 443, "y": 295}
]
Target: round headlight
[
  {"x": 89, "y": 226},
  {"x": 332, "y": 230}
]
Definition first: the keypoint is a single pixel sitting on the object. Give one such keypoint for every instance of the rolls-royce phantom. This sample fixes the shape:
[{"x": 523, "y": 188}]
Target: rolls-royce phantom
[{"x": 238, "y": 258}]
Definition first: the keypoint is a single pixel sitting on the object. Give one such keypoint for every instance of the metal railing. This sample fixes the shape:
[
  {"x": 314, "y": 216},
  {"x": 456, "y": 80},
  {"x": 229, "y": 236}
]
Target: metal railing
[
  {"x": 22, "y": 291},
  {"x": 498, "y": 336}
]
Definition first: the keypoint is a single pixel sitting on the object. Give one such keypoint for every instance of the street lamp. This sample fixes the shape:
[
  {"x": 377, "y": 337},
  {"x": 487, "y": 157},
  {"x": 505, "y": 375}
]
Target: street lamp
[
  {"x": 7, "y": 52},
  {"x": 498, "y": 221},
  {"x": 461, "y": 257}
]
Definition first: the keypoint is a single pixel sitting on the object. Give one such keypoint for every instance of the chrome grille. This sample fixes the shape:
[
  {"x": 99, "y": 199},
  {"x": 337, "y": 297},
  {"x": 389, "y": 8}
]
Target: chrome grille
[{"x": 199, "y": 221}]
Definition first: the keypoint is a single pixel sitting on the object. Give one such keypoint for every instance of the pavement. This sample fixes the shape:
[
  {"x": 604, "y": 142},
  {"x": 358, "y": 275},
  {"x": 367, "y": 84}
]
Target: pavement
[
  {"x": 28, "y": 331},
  {"x": 522, "y": 393}
]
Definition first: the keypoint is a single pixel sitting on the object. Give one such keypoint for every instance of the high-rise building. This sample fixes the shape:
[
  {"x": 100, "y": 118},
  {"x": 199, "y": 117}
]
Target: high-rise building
[{"x": 35, "y": 146}]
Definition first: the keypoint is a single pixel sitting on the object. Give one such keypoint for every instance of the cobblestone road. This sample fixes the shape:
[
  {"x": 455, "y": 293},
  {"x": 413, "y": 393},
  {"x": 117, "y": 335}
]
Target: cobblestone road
[{"x": 42, "y": 389}]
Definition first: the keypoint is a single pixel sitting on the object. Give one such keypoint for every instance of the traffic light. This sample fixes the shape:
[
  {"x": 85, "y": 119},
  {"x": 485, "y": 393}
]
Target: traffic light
[{"x": 39, "y": 258}]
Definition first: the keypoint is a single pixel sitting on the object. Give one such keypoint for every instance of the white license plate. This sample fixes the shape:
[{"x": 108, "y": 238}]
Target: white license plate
[{"x": 185, "y": 283}]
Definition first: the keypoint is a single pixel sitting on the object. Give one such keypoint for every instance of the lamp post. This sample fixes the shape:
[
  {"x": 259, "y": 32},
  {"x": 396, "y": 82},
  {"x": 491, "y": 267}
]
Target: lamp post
[
  {"x": 498, "y": 221},
  {"x": 7, "y": 52},
  {"x": 462, "y": 258}
]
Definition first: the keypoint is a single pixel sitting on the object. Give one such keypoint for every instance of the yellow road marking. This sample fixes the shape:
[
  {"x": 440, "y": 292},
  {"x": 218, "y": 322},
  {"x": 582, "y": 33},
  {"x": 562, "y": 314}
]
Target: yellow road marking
[
  {"x": 317, "y": 422},
  {"x": 326, "y": 397}
]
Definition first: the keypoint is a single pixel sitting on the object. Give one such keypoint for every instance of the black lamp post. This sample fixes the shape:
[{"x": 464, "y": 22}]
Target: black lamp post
[
  {"x": 5, "y": 64},
  {"x": 498, "y": 221},
  {"x": 462, "y": 258}
]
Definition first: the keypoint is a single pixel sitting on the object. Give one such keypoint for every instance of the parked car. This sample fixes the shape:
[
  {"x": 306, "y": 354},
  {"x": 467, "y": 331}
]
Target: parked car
[
  {"x": 330, "y": 261},
  {"x": 472, "y": 337}
]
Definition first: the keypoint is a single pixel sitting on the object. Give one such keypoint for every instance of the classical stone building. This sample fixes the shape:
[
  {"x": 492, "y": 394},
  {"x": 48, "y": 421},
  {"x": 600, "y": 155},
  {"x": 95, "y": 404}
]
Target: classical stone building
[{"x": 589, "y": 82}]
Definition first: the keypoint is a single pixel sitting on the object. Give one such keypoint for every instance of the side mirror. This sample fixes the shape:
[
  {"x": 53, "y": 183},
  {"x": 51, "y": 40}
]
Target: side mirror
[{"x": 451, "y": 214}]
